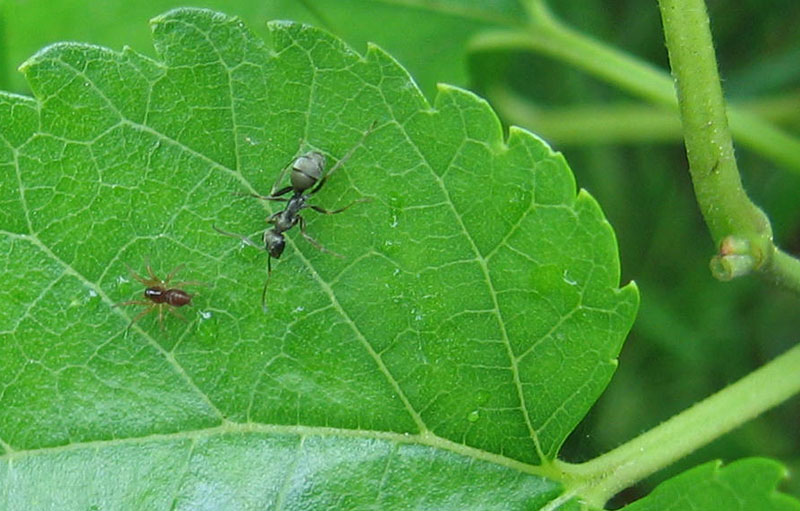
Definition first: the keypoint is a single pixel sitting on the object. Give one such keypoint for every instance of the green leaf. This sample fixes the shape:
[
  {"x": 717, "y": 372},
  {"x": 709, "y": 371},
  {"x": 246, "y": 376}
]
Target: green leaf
[
  {"x": 472, "y": 321},
  {"x": 740, "y": 486}
]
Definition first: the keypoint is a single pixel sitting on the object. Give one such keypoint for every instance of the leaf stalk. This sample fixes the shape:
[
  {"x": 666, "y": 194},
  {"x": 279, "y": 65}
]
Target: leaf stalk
[{"x": 600, "y": 479}]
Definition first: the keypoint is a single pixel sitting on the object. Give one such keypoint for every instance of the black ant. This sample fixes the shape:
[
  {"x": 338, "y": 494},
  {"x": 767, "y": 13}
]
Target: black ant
[
  {"x": 307, "y": 173},
  {"x": 160, "y": 294}
]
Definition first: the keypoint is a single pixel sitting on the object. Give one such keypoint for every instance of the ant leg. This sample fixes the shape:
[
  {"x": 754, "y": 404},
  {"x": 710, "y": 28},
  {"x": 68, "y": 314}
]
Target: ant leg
[
  {"x": 312, "y": 240},
  {"x": 272, "y": 196},
  {"x": 286, "y": 168},
  {"x": 274, "y": 192},
  {"x": 344, "y": 158},
  {"x": 240, "y": 236},
  {"x": 335, "y": 211},
  {"x": 272, "y": 217},
  {"x": 264, "y": 291}
]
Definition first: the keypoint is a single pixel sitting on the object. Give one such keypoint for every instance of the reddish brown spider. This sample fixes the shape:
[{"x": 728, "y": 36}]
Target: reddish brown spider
[{"x": 160, "y": 294}]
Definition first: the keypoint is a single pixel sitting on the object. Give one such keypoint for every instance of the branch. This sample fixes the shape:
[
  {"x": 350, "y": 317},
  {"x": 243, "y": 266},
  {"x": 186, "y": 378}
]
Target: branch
[
  {"x": 601, "y": 478},
  {"x": 547, "y": 36}
]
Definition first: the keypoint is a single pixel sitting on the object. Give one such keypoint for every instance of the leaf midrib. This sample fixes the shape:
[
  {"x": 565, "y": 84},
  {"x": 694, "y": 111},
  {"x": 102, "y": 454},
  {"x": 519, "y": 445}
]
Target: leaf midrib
[
  {"x": 493, "y": 294},
  {"x": 227, "y": 427}
]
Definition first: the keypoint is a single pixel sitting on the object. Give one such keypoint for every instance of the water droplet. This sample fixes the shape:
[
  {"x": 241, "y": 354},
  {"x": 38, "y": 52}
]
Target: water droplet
[
  {"x": 473, "y": 416},
  {"x": 92, "y": 293}
]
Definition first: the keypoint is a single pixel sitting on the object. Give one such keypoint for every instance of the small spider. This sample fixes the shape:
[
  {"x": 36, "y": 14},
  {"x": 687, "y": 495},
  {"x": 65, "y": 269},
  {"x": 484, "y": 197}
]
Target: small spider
[{"x": 160, "y": 294}]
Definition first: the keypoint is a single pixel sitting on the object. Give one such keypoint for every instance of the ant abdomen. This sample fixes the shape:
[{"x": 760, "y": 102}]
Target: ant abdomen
[{"x": 307, "y": 170}]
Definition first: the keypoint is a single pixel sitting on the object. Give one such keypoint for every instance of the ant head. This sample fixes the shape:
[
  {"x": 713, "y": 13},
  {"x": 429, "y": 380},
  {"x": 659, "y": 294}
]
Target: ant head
[
  {"x": 275, "y": 243},
  {"x": 307, "y": 170}
]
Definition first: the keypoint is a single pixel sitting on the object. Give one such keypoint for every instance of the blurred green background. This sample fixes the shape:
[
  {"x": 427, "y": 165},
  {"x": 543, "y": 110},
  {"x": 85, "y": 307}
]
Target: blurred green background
[{"x": 693, "y": 334}]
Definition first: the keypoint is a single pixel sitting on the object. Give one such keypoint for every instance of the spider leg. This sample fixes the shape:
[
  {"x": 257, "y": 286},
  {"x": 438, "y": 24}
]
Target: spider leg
[
  {"x": 172, "y": 311},
  {"x": 146, "y": 282},
  {"x": 151, "y": 272},
  {"x": 140, "y": 315},
  {"x": 161, "y": 316},
  {"x": 133, "y": 302},
  {"x": 172, "y": 273},
  {"x": 188, "y": 283}
]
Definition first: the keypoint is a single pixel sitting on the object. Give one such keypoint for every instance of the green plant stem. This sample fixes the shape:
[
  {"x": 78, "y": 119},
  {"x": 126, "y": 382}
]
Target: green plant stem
[
  {"x": 784, "y": 270},
  {"x": 619, "y": 122},
  {"x": 601, "y": 478},
  {"x": 550, "y": 37},
  {"x": 728, "y": 211},
  {"x": 546, "y": 35},
  {"x": 737, "y": 225},
  {"x": 709, "y": 147}
]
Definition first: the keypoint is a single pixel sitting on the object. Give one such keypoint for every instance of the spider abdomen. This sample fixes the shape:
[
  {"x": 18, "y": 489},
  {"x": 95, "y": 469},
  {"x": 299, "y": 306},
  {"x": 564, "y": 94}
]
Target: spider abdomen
[{"x": 174, "y": 297}]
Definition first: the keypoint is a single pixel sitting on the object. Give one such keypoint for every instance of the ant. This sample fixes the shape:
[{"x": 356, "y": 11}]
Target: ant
[
  {"x": 307, "y": 179},
  {"x": 160, "y": 295}
]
